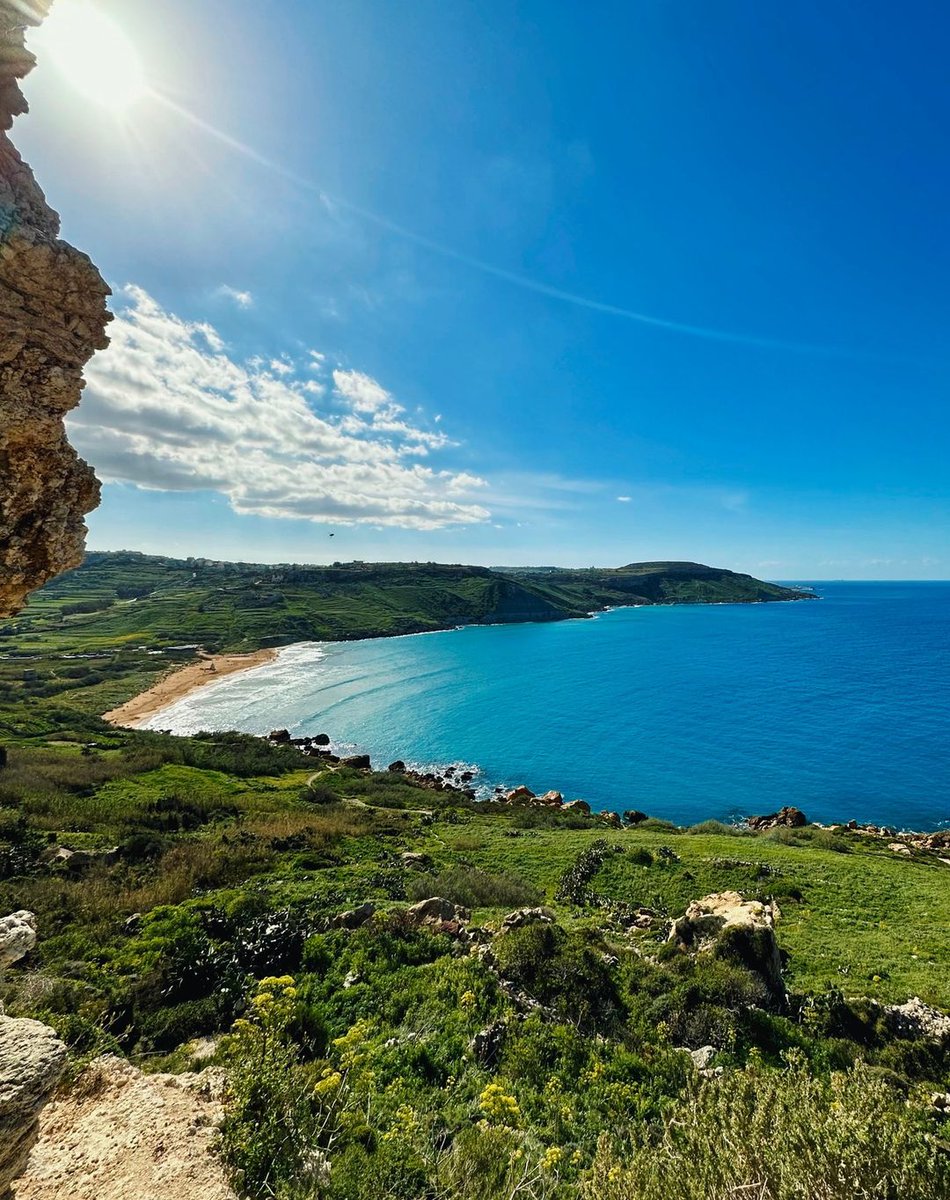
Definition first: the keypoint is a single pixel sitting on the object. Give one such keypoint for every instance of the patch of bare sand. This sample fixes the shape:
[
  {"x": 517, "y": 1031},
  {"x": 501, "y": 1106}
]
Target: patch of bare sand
[
  {"x": 177, "y": 684},
  {"x": 120, "y": 1135}
]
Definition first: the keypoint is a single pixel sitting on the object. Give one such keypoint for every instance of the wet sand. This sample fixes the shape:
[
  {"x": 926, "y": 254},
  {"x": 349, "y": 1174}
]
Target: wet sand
[{"x": 179, "y": 683}]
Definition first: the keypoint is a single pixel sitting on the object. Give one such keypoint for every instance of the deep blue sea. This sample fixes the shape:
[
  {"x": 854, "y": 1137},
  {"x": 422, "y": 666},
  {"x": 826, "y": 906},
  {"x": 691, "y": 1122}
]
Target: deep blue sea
[{"x": 839, "y": 705}]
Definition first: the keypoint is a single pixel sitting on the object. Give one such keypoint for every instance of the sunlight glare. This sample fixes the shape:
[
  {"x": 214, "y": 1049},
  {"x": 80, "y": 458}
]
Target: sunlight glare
[{"x": 94, "y": 55}]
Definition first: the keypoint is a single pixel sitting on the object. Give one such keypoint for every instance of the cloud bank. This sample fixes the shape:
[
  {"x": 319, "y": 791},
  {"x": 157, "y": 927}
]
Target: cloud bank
[{"x": 166, "y": 407}]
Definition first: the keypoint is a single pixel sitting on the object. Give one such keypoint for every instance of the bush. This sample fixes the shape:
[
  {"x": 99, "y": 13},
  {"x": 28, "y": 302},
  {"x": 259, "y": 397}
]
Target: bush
[
  {"x": 780, "y": 1135},
  {"x": 720, "y": 828},
  {"x": 475, "y": 889}
]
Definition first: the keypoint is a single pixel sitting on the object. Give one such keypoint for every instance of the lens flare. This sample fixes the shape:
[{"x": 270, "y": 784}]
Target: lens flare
[{"x": 94, "y": 55}]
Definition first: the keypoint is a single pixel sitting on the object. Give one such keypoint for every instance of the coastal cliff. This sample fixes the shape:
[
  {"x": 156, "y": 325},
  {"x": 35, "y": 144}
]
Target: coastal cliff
[{"x": 52, "y": 319}]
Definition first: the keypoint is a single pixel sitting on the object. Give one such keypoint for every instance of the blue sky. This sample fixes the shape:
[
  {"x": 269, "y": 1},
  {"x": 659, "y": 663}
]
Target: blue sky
[{"x": 345, "y": 237}]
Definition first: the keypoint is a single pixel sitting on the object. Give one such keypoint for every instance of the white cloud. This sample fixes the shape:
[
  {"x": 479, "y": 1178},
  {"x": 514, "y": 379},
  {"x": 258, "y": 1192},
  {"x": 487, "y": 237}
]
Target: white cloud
[
  {"x": 241, "y": 299},
  {"x": 166, "y": 407},
  {"x": 624, "y": 499}
]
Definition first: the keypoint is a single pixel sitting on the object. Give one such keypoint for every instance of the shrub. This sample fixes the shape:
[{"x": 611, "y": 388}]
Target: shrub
[
  {"x": 780, "y": 1135},
  {"x": 475, "y": 889}
]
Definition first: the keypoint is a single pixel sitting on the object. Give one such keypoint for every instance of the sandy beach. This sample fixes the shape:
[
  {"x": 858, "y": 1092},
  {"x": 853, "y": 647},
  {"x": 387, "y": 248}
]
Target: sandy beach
[{"x": 179, "y": 683}]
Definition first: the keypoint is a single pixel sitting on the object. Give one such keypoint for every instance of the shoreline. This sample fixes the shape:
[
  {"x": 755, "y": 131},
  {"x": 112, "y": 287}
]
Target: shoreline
[{"x": 181, "y": 682}]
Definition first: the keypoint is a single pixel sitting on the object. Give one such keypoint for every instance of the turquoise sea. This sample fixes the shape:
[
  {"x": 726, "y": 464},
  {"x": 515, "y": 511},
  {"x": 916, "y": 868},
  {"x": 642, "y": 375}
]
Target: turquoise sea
[{"x": 839, "y": 705}]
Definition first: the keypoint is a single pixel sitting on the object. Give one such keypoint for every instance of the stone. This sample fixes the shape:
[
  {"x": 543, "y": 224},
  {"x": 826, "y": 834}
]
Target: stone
[
  {"x": 916, "y": 1020},
  {"x": 633, "y": 816},
  {"x": 52, "y": 319},
  {"x": 17, "y": 937},
  {"x": 789, "y": 818},
  {"x": 397, "y": 767},
  {"x": 526, "y": 916},
  {"x": 702, "y": 1057},
  {"x": 900, "y": 848},
  {"x": 578, "y": 806},
  {"x": 749, "y": 926},
  {"x": 551, "y": 799},
  {"x": 322, "y": 739},
  {"x": 520, "y": 795},
  {"x": 437, "y": 911},
  {"x": 31, "y": 1061},
  {"x": 360, "y": 761},
  {"x": 414, "y": 860},
  {"x": 280, "y": 737},
  {"x": 119, "y": 1134},
  {"x": 353, "y": 918},
  {"x": 486, "y": 1046},
  {"x": 610, "y": 818}
]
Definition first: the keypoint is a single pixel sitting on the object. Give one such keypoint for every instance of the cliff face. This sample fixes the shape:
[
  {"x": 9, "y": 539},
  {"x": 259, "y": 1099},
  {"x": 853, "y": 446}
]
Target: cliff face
[{"x": 52, "y": 318}]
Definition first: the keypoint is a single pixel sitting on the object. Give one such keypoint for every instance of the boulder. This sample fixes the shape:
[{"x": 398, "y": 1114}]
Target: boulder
[
  {"x": 578, "y": 806},
  {"x": 703, "y": 1056},
  {"x": 31, "y": 1061},
  {"x": 633, "y": 816},
  {"x": 437, "y": 911},
  {"x": 360, "y": 761},
  {"x": 520, "y": 795},
  {"x": 414, "y": 860},
  {"x": 900, "y": 848},
  {"x": 724, "y": 920},
  {"x": 321, "y": 739},
  {"x": 17, "y": 938},
  {"x": 788, "y": 818},
  {"x": 487, "y": 1044},
  {"x": 280, "y": 737},
  {"x": 916, "y": 1020},
  {"x": 552, "y": 799},
  {"x": 353, "y": 918},
  {"x": 611, "y": 818},
  {"x": 397, "y": 767},
  {"x": 526, "y": 916}
]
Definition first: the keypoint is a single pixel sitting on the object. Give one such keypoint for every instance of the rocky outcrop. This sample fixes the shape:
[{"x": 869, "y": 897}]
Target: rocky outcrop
[
  {"x": 526, "y": 916},
  {"x": 915, "y": 1019},
  {"x": 785, "y": 818},
  {"x": 122, "y": 1135},
  {"x": 52, "y": 318},
  {"x": 744, "y": 930},
  {"x": 17, "y": 937},
  {"x": 31, "y": 1061},
  {"x": 437, "y": 911}
]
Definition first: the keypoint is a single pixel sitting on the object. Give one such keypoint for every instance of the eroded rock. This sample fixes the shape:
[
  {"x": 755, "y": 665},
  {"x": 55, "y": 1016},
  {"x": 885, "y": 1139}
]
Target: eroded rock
[
  {"x": 17, "y": 936},
  {"x": 52, "y": 319},
  {"x": 786, "y": 818},
  {"x": 746, "y": 928},
  {"x": 31, "y": 1061},
  {"x": 437, "y": 911},
  {"x": 915, "y": 1019}
]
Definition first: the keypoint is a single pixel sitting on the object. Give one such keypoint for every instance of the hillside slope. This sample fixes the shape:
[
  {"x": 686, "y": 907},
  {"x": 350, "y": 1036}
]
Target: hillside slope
[{"x": 124, "y": 597}]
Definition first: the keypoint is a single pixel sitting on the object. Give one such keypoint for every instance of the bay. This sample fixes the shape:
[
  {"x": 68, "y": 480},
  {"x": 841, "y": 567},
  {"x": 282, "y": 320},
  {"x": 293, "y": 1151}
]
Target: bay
[{"x": 840, "y": 706}]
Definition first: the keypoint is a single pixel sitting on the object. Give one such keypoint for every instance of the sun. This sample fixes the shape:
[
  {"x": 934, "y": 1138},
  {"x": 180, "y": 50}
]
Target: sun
[{"x": 94, "y": 55}]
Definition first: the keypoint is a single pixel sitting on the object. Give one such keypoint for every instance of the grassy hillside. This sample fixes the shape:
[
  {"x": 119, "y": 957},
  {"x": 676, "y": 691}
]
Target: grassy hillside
[
  {"x": 190, "y": 893},
  {"x": 124, "y": 598},
  {"x": 548, "y": 1062}
]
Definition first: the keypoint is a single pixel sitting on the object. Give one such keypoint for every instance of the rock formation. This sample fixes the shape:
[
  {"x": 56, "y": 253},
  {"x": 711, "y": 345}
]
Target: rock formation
[
  {"x": 745, "y": 929},
  {"x": 122, "y": 1135},
  {"x": 52, "y": 318},
  {"x": 17, "y": 936},
  {"x": 31, "y": 1061}
]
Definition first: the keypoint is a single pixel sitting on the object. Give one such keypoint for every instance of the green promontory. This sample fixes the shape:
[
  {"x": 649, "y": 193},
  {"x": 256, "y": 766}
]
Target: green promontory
[{"x": 116, "y": 598}]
